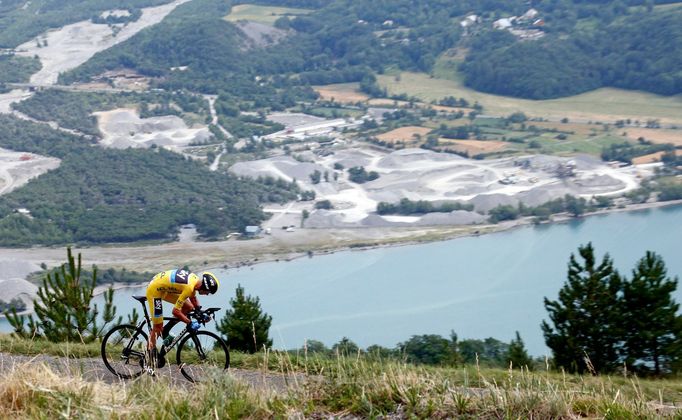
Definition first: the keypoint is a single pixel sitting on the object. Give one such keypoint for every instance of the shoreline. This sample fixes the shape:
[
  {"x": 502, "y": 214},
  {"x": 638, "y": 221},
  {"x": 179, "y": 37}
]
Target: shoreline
[
  {"x": 486, "y": 229},
  {"x": 420, "y": 236},
  {"x": 280, "y": 246}
]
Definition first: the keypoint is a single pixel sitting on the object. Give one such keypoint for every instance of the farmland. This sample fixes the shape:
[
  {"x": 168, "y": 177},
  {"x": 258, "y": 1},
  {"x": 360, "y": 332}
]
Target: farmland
[
  {"x": 606, "y": 104},
  {"x": 262, "y": 14},
  {"x": 344, "y": 93}
]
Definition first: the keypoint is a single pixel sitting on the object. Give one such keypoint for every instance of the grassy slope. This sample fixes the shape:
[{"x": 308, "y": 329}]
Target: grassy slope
[
  {"x": 348, "y": 386},
  {"x": 262, "y": 14},
  {"x": 606, "y": 104}
]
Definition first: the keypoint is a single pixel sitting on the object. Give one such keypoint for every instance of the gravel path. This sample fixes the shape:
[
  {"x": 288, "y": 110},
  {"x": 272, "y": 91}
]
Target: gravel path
[{"x": 93, "y": 370}]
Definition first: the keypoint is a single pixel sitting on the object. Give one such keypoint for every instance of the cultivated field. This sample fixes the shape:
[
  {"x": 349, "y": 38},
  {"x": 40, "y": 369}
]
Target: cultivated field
[
  {"x": 341, "y": 92},
  {"x": 473, "y": 147},
  {"x": 262, "y": 14},
  {"x": 575, "y": 128},
  {"x": 654, "y": 157},
  {"x": 655, "y": 135},
  {"x": 604, "y": 104},
  {"x": 404, "y": 134}
]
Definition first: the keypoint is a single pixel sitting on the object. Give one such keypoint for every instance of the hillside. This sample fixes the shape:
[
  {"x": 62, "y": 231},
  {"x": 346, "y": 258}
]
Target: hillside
[
  {"x": 20, "y": 21},
  {"x": 106, "y": 195},
  {"x": 561, "y": 50},
  {"x": 641, "y": 52}
]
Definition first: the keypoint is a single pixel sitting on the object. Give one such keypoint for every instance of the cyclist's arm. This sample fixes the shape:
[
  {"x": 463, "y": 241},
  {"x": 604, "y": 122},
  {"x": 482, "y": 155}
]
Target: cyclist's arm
[
  {"x": 178, "y": 314},
  {"x": 183, "y": 301}
]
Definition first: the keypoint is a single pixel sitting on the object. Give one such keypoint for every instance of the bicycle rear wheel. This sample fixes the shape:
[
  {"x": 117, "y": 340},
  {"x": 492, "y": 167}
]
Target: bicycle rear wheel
[
  {"x": 202, "y": 356},
  {"x": 123, "y": 351}
]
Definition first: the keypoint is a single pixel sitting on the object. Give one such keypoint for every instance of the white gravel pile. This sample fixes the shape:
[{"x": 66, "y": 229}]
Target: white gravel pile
[{"x": 122, "y": 128}]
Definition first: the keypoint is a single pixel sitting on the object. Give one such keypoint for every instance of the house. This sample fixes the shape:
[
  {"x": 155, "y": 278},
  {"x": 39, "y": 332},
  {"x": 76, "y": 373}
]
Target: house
[
  {"x": 529, "y": 15},
  {"x": 504, "y": 23},
  {"x": 252, "y": 231},
  {"x": 468, "y": 21}
]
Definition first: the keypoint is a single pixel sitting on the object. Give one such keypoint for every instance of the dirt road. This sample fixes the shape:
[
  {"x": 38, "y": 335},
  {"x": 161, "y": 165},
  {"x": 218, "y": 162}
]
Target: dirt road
[{"x": 93, "y": 370}]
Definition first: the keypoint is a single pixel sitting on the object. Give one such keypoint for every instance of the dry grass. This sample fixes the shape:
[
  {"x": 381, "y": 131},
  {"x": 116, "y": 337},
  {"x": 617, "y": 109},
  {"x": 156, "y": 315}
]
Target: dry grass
[
  {"x": 473, "y": 147},
  {"x": 341, "y": 386},
  {"x": 383, "y": 102},
  {"x": 261, "y": 14},
  {"x": 342, "y": 93},
  {"x": 651, "y": 158},
  {"x": 404, "y": 134},
  {"x": 35, "y": 390},
  {"x": 655, "y": 135},
  {"x": 581, "y": 129}
]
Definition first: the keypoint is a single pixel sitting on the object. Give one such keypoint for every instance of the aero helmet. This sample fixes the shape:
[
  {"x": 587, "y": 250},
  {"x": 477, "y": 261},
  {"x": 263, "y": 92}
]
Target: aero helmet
[{"x": 210, "y": 282}]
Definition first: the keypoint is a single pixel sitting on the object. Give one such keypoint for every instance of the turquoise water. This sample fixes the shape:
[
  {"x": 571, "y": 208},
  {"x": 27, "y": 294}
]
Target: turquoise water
[{"x": 486, "y": 286}]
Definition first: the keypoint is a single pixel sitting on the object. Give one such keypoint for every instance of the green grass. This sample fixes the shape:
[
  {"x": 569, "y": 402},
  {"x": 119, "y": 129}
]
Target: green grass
[
  {"x": 606, "y": 104},
  {"x": 262, "y": 14}
]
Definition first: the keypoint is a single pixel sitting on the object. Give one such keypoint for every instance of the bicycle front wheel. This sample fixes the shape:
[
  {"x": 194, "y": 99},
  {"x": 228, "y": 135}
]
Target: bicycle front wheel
[
  {"x": 123, "y": 351},
  {"x": 202, "y": 356}
]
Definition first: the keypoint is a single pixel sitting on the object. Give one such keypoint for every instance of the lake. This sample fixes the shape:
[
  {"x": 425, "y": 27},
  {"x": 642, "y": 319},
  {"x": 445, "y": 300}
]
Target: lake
[{"x": 485, "y": 286}]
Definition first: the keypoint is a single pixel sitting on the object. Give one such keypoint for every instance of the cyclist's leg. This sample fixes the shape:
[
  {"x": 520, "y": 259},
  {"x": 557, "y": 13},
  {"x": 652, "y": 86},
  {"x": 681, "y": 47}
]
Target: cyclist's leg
[{"x": 155, "y": 302}]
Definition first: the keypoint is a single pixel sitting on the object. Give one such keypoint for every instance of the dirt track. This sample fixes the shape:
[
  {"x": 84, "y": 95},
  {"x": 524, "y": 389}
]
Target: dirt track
[{"x": 93, "y": 370}]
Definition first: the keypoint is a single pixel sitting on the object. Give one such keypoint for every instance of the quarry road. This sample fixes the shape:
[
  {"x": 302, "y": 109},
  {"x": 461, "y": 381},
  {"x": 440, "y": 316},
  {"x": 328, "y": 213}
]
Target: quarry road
[{"x": 93, "y": 370}]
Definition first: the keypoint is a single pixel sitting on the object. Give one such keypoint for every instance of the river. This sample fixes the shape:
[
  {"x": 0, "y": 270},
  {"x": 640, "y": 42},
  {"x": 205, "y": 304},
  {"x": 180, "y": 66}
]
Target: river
[{"x": 485, "y": 286}]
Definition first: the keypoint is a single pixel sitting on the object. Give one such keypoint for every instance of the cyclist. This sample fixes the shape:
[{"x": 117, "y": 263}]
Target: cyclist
[{"x": 178, "y": 287}]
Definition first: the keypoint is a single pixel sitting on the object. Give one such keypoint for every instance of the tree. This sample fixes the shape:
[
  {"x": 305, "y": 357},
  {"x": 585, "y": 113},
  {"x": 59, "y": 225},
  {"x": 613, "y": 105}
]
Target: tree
[
  {"x": 652, "y": 326},
  {"x": 517, "y": 354},
  {"x": 314, "y": 346},
  {"x": 489, "y": 351},
  {"x": 324, "y": 205},
  {"x": 586, "y": 318},
  {"x": 575, "y": 206},
  {"x": 63, "y": 306},
  {"x": 316, "y": 176},
  {"x": 345, "y": 347},
  {"x": 430, "y": 349},
  {"x": 246, "y": 325}
]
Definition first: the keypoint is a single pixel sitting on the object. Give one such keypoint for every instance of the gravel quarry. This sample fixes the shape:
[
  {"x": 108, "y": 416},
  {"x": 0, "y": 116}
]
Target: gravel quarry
[
  {"x": 17, "y": 168},
  {"x": 66, "y": 48},
  {"x": 122, "y": 128},
  {"x": 418, "y": 174}
]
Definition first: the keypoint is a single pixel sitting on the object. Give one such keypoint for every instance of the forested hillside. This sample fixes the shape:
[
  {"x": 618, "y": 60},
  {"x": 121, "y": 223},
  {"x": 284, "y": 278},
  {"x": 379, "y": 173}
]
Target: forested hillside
[
  {"x": 75, "y": 110},
  {"x": 585, "y": 46},
  {"x": 105, "y": 195},
  {"x": 640, "y": 52}
]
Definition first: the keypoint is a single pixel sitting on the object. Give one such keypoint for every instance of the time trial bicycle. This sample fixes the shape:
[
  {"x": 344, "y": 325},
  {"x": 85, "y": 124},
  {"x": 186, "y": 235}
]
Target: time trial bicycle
[{"x": 200, "y": 355}]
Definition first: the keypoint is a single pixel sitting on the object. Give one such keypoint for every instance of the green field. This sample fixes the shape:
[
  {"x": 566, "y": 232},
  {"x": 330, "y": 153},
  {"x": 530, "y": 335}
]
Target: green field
[
  {"x": 606, "y": 104},
  {"x": 262, "y": 14}
]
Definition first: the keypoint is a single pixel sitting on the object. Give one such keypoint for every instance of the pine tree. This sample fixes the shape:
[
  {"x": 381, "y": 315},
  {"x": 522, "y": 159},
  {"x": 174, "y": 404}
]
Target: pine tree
[
  {"x": 246, "y": 325},
  {"x": 652, "y": 326},
  {"x": 586, "y": 318},
  {"x": 63, "y": 307},
  {"x": 517, "y": 355}
]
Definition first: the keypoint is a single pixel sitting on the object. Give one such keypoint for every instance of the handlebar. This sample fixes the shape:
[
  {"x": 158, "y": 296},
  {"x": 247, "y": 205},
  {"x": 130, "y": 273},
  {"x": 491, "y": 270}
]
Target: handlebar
[{"x": 198, "y": 314}]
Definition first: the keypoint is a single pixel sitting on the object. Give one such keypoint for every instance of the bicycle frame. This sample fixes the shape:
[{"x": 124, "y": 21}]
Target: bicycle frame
[{"x": 164, "y": 349}]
